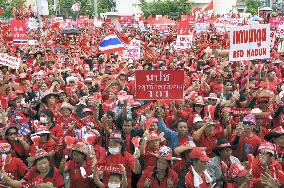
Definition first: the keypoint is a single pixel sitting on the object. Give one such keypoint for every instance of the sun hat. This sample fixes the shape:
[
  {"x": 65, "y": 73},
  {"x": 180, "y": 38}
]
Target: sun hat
[
  {"x": 221, "y": 144},
  {"x": 185, "y": 146},
  {"x": 165, "y": 153},
  {"x": 274, "y": 133}
]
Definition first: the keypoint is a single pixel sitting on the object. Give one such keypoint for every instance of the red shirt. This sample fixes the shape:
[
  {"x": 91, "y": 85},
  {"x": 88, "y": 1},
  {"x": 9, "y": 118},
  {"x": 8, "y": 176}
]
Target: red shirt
[
  {"x": 190, "y": 183},
  {"x": 15, "y": 169},
  {"x": 64, "y": 125},
  {"x": 126, "y": 160},
  {"x": 53, "y": 176},
  {"x": 254, "y": 141},
  {"x": 100, "y": 153},
  {"x": 149, "y": 173},
  {"x": 257, "y": 170},
  {"x": 148, "y": 158},
  {"x": 179, "y": 166},
  {"x": 57, "y": 131},
  {"x": 76, "y": 179},
  {"x": 127, "y": 143}
]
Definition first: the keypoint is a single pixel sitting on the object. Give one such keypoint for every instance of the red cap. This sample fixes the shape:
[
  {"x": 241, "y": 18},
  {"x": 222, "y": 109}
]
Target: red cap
[
  {"x": 198, "y": 153},
  {"x": 237, "y": 170}
]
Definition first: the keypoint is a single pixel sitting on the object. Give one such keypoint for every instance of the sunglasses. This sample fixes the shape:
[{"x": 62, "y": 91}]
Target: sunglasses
[{"x": 248, "y": 123}]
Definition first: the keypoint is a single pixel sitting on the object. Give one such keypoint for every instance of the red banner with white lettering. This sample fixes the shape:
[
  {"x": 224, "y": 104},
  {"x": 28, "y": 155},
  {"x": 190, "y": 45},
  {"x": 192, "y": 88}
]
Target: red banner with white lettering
[
  {"x": 126, "y": 20},
  {"x": 192, "y": 21},
  {"x": 110, "y": 168},
  {"x": 183, "y": 27},
  {"x": 159, "y": 84},
  {"x": 276, "y": 21},
  {"x": 19, "y": 31}
]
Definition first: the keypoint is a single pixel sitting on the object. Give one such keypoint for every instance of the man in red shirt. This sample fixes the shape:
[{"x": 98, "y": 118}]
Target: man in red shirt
[
  {"x": 14, "y": 167},
  {"x": 198, "y": 175},
  {"x": 265, "y": 162},
  {"x": 239, "y": 176},
  {"x": 248, "y": 140}
]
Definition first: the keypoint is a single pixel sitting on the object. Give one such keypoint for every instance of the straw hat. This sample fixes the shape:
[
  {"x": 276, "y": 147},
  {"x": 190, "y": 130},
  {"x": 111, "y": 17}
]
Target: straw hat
[
  {"x": 165, "y": 153},
  {"x": 81, "y": 147},
  {"x": 185, "y": 146}
]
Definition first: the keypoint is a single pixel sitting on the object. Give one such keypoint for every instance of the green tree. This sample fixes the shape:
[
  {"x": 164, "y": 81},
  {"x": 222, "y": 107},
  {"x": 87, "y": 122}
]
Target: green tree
[
  {"x": 87, "y": 7},
  {"x": 7, "y": 6},
  {"x": 252, "y": 6},
  {"x": 165, "y": 7},
  {"x": 105, "y": 5}
]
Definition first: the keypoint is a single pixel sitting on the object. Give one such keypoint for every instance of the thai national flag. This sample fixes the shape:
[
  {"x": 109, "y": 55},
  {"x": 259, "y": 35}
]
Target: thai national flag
[
  {"x": 19, "y": 41},
  {"x": 113, "y": 42},
  {"x": 25, "y": 129}
]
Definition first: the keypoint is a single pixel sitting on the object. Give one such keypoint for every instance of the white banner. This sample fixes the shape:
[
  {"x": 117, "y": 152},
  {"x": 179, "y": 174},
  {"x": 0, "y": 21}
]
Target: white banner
[
  {"x": 42, "y": 7},
  {"x": 132, "y": 52},
  {"x": 9, "y": 61},
  {"x": 184, "y": 41},
  {"x": 249, "y": 42}
]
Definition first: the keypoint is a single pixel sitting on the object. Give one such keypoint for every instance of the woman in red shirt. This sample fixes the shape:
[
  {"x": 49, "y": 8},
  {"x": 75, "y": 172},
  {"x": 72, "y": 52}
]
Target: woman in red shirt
[
  {"x": 41, "y": 174},
  {"x": 117, "y": 155},
  {"x": 160, "y": 175},
  {"x": 13, "y": 166},
  {"x": 79, "y": 168},
  {"x": 46, "y": 143}
]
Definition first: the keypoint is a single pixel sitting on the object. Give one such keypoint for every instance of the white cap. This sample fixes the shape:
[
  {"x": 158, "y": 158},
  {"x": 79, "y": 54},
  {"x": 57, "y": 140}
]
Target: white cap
[{"x": 197, "y": 119}]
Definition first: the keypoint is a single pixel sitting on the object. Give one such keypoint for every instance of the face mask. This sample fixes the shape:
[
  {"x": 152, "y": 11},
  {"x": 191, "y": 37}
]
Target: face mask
[
  {"x": 113, "y": 185},
  {"x": 43, "y": 120},
  {"x": 114, "y": 151}
]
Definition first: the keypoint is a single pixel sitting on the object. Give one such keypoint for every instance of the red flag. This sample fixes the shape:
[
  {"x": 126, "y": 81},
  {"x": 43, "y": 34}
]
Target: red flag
[
  {"x": 15, "y": 13},
  {"x": 22, "y": 8},
  {"x": 208, "y": 7},
  {"x": 183, "y": 27},
  {"x": 148, "y": 52},
  {"x": 1, "y": 11}
]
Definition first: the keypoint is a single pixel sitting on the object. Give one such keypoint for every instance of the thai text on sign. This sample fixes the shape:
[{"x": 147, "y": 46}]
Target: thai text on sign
[
  {"x": 9, "y": 61},
  {"x": 249, "y": 42},
  {"x": 159, "y": 84}
]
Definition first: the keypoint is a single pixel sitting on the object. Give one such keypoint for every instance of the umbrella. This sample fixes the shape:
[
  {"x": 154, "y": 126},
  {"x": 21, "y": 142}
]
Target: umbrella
[
  {"x": 71, "y": 32},
  {"x": 59, "y": 50},
  {"x": 255, "y": 18},
  {"x": 265, "y": 9}
]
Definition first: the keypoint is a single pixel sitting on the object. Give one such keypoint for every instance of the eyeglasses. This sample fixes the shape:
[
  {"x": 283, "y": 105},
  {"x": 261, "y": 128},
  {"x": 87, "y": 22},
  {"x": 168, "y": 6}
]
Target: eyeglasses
[{"x": 12, "y": 133}]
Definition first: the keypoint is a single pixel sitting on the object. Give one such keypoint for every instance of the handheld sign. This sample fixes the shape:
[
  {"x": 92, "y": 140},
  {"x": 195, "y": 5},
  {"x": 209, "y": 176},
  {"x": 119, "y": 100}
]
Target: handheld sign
[{"x": 159, "y": 84}]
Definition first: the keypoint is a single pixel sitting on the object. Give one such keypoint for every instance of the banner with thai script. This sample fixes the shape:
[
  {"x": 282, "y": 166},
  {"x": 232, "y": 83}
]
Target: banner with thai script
[
  {"x": 183, "y": 27},
  {"x": 184, "y": 41},
  {"x": 19, "y": 31},
  {"x": 249, "y": 42},
  {"x": 132, "y": 52},
  {"x": 9, "y": 61},
  {"x": 159, "y": 84},
  {"x": 276, "y": 21},
  {"x": 111, "y": 168}
]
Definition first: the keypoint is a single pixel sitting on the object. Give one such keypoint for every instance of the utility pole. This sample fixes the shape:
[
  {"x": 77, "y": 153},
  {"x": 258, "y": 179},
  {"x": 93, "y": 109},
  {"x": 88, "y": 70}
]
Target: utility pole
[{"x": 96, "y": 8}]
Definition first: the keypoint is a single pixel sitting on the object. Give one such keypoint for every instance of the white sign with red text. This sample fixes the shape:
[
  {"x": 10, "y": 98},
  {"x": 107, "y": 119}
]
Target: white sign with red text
[
  {"x": 249, "y": 42},
  {"x": 184, "y": 41},
  {"x": 9, "y": 61}
]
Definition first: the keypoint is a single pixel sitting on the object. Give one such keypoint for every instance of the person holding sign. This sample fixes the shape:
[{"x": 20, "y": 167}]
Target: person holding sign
[
  {"x": 79, "y": 168},
  {"x": 161, "y": 175}
]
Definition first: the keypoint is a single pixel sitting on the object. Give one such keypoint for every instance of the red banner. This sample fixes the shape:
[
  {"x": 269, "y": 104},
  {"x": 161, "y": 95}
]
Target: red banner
[
  {"x": 19, "y": 31},
  {"x": 192, "y": 21},
  {"x": 183, "y": 27},
  {"x": 276, "y": 21},
  {"x": 111, "y": 168},
  {"x": 126, "y": 20},
  {"x": 159, "y": 84}
]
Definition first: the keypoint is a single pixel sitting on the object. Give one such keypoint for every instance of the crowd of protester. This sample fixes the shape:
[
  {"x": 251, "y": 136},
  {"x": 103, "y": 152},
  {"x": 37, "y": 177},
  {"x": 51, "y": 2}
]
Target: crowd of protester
[{"x": 70, "y": 109}]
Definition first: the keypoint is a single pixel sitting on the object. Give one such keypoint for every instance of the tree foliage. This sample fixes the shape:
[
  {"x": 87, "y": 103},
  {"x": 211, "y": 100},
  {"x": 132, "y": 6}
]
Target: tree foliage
[
  {"x": 165, "y": 7},
  {"x": 7, "y": 6},
  {"x": 252, "y": 6},
  {"x": 87, "y": 7}
]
